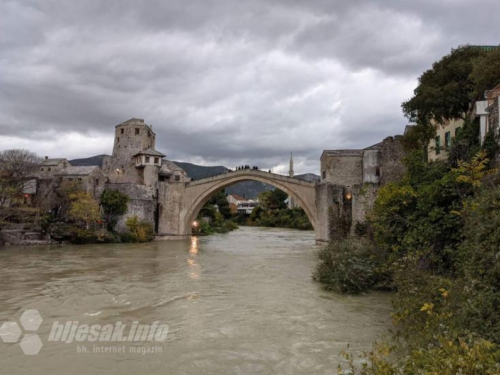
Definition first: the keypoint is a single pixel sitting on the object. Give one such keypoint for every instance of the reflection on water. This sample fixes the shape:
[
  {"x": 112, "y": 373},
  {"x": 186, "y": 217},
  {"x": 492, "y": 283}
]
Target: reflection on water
[
  {"x": 241, "y": 302},
  {"x": 194, "y": 267}
]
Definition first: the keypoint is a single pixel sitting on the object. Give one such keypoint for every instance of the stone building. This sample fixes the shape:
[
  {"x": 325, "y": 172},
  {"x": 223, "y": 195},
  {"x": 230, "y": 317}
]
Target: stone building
[
  {"x": 349, "y": 183},
  {"x": 50, "y": 167},
  {"x": 91, "y": 178}
]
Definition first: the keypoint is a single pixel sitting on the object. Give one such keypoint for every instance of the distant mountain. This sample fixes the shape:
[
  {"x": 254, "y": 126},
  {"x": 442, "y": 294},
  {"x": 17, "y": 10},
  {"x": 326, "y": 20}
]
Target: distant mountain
[
  {"x": 94, "y": 160},
  {"x": 311, "y": 177},
  {"x": 200, "y": 171},
  {"x": 247, "y": 189}
]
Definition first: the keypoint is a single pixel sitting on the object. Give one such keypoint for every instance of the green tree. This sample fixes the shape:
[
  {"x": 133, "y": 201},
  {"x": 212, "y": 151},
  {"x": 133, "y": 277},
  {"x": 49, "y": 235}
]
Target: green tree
[
  {"x": 447, "y": 90},
  {"x": 84, "y": 208},
  {"x": 273, "y": 199},
  {"x": 486, "y": 72},
  {"x": 140, "y": 231},
  {"x": 114, "y": 204}
]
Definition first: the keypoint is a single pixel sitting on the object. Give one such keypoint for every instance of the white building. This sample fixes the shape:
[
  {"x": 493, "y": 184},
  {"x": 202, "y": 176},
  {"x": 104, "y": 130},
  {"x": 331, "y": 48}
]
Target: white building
[{"x": 488, "y": 112}]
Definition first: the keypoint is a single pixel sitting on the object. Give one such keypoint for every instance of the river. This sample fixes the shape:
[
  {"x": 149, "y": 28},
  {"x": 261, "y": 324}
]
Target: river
[{"x": 236, "y": 303}]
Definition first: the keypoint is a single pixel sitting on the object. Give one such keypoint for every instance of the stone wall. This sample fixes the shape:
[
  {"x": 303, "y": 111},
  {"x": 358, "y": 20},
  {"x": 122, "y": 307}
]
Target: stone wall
[
  {"x": 342, "y": 167},
  {"x": 391, "y": 160},
  {"x": 141, "y": 204},
  {"x": 363, "y": 199},
  {"x": 371, "y": 166},
  {"x": 171, "y": 209}
]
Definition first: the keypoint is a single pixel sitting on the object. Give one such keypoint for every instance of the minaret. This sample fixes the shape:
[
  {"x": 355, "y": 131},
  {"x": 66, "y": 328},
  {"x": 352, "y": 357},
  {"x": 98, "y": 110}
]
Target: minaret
[{"x": 290, "y": 172}]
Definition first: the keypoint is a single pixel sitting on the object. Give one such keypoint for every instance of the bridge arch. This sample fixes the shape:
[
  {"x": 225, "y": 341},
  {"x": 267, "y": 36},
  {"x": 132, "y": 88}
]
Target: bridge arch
[{"x": 199, "y": 192}]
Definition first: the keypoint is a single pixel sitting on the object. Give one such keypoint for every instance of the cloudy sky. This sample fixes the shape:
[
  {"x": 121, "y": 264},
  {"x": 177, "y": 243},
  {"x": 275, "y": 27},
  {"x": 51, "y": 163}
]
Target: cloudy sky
[{"x": 224, "y": 82}]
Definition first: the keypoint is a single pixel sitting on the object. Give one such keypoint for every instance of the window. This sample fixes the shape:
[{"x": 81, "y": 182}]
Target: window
[
  {"x": 118, "y": 140},
  {"x": 324, "y": 174},
  {"x": 438, "y": 145},
  {"x": 79, "y": 179},
  {"x": 97, "y": 181},
  {"x": 157, "y": 160},
  {"x": 377, "y": 171},
  {"x": 457, "y": 130},
  {"x": 41, "y": 169},
  {"x": 49, "y": 169},
  {"x": 447, "y": 139},
  {"x": 177, "y": 178},
  {"x": 149, "y": 134},
  {"x": 122, "y": 131},
  {"x": 137, "y": 131},
  {"x": 148, "y": 159}
]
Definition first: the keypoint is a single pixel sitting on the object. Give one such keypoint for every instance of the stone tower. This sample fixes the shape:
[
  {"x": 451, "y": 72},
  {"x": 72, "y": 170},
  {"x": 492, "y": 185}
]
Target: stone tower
[
  {"x": 134, "y": 159},
  {"x": 290, "y": 171}
]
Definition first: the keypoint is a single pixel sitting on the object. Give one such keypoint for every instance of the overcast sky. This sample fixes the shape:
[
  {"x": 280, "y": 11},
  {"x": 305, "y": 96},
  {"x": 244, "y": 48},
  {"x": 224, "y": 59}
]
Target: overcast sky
[{"x": 222, "y": 82}]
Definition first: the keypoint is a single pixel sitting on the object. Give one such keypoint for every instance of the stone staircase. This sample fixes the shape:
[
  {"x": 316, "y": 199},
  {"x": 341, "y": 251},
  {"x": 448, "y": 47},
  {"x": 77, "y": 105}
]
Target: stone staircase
[{"x": 22, "y": 237}]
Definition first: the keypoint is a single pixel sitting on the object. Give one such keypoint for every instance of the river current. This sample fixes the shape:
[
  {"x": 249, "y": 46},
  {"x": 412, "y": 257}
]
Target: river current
[{"x": 236, "y": 303}]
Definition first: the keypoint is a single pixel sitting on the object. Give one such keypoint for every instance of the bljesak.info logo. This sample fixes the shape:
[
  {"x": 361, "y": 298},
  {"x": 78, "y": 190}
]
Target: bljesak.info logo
[{"x": 73, "y": 332}]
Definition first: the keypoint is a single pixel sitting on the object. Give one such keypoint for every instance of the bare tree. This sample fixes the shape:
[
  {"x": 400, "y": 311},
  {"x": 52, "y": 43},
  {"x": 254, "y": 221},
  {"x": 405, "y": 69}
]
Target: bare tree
[{"x": 17, "y": 167}]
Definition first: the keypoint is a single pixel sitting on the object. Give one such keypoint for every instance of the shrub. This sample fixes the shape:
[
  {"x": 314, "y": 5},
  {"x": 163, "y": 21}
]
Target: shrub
[
  {"x": 114, "y": 204},
  {"x": 347, "y": 266},
  {"x": 140, "y": 231}
]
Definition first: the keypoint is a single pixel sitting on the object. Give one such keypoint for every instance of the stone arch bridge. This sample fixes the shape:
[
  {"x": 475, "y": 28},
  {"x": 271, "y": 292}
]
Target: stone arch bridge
[{"x": 179, "y": 204}]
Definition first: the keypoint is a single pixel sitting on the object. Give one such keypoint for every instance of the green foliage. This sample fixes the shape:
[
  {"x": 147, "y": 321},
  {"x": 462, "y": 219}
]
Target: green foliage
[
  {"x": 84, "y": 209},
  {"x": 445, "y": 92},
  {"x": 114, "y": 204},
  {"x": 349, "y": 266},
  {"x": 447, "y": 357},
  {"x": 479, "y": 257},
  {"x": 140, "y": 231},
  {"x": 211, "y": 220},
  {"x": 294, "y": 218},
  {"x": 486, "y": 72},
  {"x": 466, "y": 144},
  {"x": 272, "y": 199}
]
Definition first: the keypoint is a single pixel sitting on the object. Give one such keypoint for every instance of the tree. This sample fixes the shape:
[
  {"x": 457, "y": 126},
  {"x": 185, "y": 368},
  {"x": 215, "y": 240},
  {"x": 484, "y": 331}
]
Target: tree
[
  {"x": 17, "y": 167},
  {"x": 486, "y": 72},
  {"x": 273, "y": 199},
  {"x": 84, "y": 209},
  {"x": 447, "y": 90},
  {"x": 114, "y": 204}
]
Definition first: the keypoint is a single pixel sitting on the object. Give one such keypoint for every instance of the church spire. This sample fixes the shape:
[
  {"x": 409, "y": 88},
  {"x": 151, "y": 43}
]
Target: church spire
[{"x": 290, "y": 172}]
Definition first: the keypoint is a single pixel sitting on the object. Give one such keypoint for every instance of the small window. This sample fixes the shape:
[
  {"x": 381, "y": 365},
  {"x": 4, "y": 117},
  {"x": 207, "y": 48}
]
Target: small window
[
  {"x": 118, "y": 140},
  {"x": 157, "y": 160},
  {"x": 438, "y": 145},
  {"x": 324, "y": 174},
  {"x": 41, "y": 169},
  {"x": 122, "y": 131},
  {"x": 447, "y": 139},
  {"x": 177, "y": 178},
  {"x": 149, "y": 134},
  {"x": 148, "y": 159},
  {"x": 377, "y": 171},
  {"x": 79, "y": 179},
  {"x": 137, "y": 131},
  {"x": 49, "y": 169}
]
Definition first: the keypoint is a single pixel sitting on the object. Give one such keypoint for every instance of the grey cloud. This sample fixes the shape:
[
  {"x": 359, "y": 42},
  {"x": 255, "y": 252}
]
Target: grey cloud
[{"x": 224, "y": 82}]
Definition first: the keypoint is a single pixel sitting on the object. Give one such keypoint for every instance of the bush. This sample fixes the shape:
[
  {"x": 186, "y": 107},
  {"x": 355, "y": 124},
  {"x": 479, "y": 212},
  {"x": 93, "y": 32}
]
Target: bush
[
  {"x": 347, "y": 266},
  {"x": 140, "y": 231}
]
